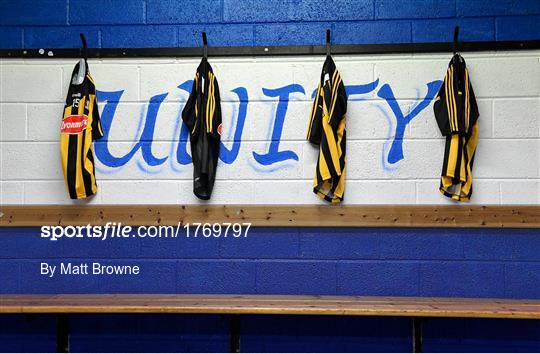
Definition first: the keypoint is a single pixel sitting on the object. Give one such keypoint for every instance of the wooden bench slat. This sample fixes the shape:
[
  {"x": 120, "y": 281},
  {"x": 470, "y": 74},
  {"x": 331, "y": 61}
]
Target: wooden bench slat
[
  {"x": 520, "y": 216},
  {"x": 259, "y": 304}
]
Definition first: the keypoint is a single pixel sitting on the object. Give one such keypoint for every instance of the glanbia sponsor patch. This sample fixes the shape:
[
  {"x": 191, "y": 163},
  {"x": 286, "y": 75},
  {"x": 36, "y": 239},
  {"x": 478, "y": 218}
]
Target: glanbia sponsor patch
[{"x": 74, "y": 124}]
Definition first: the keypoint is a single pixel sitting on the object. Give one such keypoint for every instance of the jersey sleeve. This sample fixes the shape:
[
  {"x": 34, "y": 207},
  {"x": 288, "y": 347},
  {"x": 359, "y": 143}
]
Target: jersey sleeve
[
  {"x": 315, "y": 122},
  {"x": 97, "y": 131},
  {"x": 474, "y": 113},
  {"x": 339, "y": 105},
  {"x": 215, "y": 118},
  {"x": 440, "y": 108},
  {"x": 189, "y": 113}
]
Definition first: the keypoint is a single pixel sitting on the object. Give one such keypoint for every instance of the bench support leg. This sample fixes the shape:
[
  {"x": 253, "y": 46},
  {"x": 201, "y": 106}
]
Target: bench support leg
[
  {"x": 234, "y": 329},
  {"x": 62, "y": 333},
  {"x": 417, "y": 335}
]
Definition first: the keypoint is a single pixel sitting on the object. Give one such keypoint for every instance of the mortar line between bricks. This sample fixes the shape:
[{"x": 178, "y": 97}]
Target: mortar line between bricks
[
  {"x": 493, "y": 120},
  {"x": 67, "y": 13},
  {"x": 145, "y": 12},
  {"x": 418, "y": 279},
  {"x": 505, "y": 289},
  {"x": 26, "y": 121},
  {"x": 416, "y": 191},
  {"x": 495, "y": 28}
]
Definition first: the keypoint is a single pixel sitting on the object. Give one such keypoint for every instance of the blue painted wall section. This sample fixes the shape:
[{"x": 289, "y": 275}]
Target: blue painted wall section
[
  {"x": 501, "y": 263},
  {"x": 162, "y": 23},
  {"x": 403, "y": 262}
]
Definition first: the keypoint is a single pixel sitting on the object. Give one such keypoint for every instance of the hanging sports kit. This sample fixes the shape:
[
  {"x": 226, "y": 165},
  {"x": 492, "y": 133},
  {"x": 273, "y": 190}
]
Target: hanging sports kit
[
  {"x": 80, "y": 126},
  {"x": 327, "y": 131},
  {"x": 202, "y": 116},
  {"x": 457, "y": 115}
]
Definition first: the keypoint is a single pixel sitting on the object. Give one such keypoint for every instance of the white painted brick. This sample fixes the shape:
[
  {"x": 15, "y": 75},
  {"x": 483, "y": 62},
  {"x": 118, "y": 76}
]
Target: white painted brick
[
  {"x": 370, "y": 120},
  {"x": 12, "y": 122},
  {"x": 511, "y": 77},
  {"x": 54, "y": 192},
  {"x": 308, "y": 76},
  {"x": 31, "y": 83},
  {"x": 309, "y": 164},
  {"x": 409, "y": 79},
  {"x": 269, "y": 75},
  {"x": 170, "y": 169},
  {"x": 505, "y": 162},
  {"x": 507, "y": 159},
  {"x": 11, "y": 193},
  {"x": 246, "y": 167},
  {"x": 261, "y": 117},
  {"x": 296, "y": 122},
  {"x": 185, "y": 193},
  {"x": 44, "y": 121},
  {"x": 114, "y": 78},
  {"x": 520, "y": 192},
  {"x": 224, "y": 192},
  {"x": 284, "y": 192},
  {"x": 484, "y": 192},
  {"x": 368, "y": 160},
  {"x": 517, "y": 118},
  {"x": 365, "y": 160},
  {"x": 353, "y": 73},
  {"x": 140, "y": 192},
  {"x": 422, "y": 159},
  {"x": 31, "y": 161},
  {"x": 144, "y": 61},
  {"x": 380, "y": 192},
  {"x": 230, "y": 116},
  {"x": 424, "y": 125},
  {"x": 168, "y": 122},
  {"x": 165, "y": 78},
  {"x": 356, "y": 192},
  {"x": 138, "y": 169},
  {"x": 128, "y": 121},
  {"x": 108, "y": 77}
]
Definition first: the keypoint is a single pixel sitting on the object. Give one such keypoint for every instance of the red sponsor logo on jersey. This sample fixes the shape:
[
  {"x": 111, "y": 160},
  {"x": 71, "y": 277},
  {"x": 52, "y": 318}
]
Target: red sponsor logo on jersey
[
  {"x": 74, "y": 124},
  {"x": 219, "y": 128}
]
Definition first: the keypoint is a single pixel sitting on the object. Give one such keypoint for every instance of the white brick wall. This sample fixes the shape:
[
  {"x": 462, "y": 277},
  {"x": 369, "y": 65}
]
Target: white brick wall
[{"x": 506, "y": 171}]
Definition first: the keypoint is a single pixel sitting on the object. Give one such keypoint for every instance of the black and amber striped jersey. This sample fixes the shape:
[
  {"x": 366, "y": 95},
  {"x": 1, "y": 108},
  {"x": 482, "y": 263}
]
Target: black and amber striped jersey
[
  {"x": 327, "y": 130},
  {"x": 456, "y": 112},
  {"x": 202, "y": 116},
  {"x": 80, "y": 126}
]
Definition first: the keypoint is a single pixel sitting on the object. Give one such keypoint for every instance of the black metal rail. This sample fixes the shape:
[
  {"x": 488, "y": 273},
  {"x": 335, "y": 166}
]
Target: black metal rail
[{"x": 268, "y": 51}]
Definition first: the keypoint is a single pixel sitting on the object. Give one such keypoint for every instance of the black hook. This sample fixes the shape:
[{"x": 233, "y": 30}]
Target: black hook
[
  {"x": 327, "y": 42},
  {"x": 84, "y": 49},
  {"x": 205, "y": 45},
  {"x": 456, "y": 34}
]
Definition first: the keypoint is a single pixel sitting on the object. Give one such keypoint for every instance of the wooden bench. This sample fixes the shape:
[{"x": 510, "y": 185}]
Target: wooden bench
[{"x": 235, "y": 305}]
